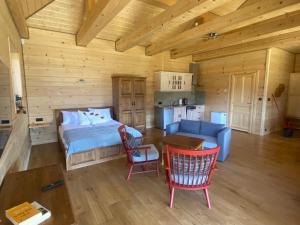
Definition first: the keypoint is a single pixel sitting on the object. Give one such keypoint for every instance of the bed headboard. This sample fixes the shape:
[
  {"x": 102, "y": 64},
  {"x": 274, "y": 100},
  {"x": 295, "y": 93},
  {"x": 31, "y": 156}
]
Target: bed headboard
[{"x": 59, "y": 115}]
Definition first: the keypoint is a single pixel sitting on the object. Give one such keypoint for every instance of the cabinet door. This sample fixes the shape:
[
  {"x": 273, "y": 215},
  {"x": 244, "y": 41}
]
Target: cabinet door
[
  {"x": 139, "y": 94},
  {"x": 187, "y": 82},
  {"x": 179, "y": 113},
  {"x": 164, "y": 80},
  {"x": 139, "y": 86},
  {"x": 126, "y": 86},
  {"x": 126, "y": 101},
  {"x": 126, "y": 118},
  {"x": 140, "y": 120},
  {"x": 139, "y": 113},
  {"x": 183, "y": 112},
  {"x": 172, "y": 82},
  {"x": 180, "y": 82}
]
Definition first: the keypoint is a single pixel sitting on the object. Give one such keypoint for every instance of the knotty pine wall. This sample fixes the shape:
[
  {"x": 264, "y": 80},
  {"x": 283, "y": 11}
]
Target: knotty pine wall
[
  {"x": 280, "y": 66},
  {"x": 273, "y": 67},
  {"x": 297, "y": 63},
  {"x": 17, "y": 150},
  {"x": 54, "y": 66},
  {"x": 5, "y": 93},
  {"x": 215, "y": 78},
  {"x": 293, "y": 107}
]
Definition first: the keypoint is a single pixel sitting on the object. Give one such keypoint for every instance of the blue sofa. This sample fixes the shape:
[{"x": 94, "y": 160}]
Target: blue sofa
[{"x": 212, "y": 133}]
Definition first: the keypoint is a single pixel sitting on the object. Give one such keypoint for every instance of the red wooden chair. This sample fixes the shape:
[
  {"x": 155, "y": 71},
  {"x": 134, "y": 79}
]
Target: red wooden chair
[
  {"x": 148, "y": 155},
  {"x": 190, "y": 170}
]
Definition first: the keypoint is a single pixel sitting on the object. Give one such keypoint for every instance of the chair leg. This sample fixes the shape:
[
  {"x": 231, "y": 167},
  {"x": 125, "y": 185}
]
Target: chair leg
[
  {"x": 207, "y": 198},
  {"x": 129, "y": 172},
  {"x": 157, "y": 167},
  {"x": 172, "y": 197}
]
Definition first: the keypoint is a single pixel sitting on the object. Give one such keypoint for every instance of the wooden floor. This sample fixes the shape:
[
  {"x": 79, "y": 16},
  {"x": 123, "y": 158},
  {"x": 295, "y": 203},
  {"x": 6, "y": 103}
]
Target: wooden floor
[{"x": 258, "y": 184}]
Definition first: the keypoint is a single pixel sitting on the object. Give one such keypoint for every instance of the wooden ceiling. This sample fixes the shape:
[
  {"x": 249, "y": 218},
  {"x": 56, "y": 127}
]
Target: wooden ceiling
[{"x": 181, "y": 26}]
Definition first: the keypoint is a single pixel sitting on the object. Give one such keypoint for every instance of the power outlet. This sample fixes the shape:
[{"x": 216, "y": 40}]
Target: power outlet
[
  {"x": 5, "y": 122},
  {"x": 39, "y": 119}
]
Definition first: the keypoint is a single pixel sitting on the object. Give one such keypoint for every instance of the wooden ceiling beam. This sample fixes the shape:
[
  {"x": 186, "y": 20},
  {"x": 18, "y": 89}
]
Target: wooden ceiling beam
[
  {"x": 164, "y": 4},
  {"x": 22, "y": 10},
  {"x": 182, "y": 9},
  {"x": 279, "y": 25},
  {"x": 31, "y": 7},
  {"x": 228, "y": 7},
  {"x": 279, "y": 41},
  {"x": 17, "y": 14},
  {"x": 253, "y": 13},
  {"x": 100, "y": 15}
]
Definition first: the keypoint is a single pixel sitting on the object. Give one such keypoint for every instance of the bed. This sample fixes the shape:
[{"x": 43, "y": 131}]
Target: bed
[{"x": 85, "y": 145}]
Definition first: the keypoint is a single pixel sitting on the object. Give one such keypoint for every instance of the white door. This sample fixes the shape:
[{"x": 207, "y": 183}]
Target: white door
[{"x": 241, "y": 107}]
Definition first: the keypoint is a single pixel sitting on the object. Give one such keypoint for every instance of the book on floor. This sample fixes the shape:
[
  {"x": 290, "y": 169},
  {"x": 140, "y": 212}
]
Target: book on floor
[{"x": 27, "y": 214}]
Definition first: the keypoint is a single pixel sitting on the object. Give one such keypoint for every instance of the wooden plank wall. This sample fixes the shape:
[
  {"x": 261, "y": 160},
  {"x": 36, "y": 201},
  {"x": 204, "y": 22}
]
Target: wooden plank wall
[
  {"x": 280, "y": 67},
  {"x": 297, "y": 63},
  {"x": 17, "y": 150},
  {"x": 215, "y": 78},
  {"x": 60, "y": 74},
  {"x": 5, "y": 92},
  {"x": 293, "y": 108}
]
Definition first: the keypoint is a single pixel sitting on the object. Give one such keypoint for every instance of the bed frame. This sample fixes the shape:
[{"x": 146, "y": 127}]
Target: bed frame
[{"x": 91, "y": 156}]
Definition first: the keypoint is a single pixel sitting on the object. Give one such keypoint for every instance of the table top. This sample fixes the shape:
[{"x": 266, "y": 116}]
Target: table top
[
  {"x": 26, "y": 186},
  {"x": 183, "y": 141}
]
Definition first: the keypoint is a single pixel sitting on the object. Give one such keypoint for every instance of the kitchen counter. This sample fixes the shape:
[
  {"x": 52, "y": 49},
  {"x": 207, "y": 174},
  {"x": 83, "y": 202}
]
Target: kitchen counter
[
  {"x": 166, "y": 114},
  {"x": 170, "y": 106}
]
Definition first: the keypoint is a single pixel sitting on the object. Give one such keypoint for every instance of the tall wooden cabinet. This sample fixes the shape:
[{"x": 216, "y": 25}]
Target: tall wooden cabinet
[{"x": 129, "y": 94}]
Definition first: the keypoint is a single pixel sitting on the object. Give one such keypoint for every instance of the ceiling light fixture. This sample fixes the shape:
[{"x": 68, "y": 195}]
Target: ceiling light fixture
[{"x": 213, "y": 35}]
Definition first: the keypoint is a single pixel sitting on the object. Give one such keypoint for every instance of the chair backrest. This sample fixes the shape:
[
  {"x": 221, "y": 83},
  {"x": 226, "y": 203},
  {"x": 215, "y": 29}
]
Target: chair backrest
[
  {"x": 122, "y": 132},
  {"x": 190, "y": 168}
]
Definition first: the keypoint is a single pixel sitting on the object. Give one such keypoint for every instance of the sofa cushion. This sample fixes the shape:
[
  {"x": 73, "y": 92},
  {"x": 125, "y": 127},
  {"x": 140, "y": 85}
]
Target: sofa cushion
[
  {"x": 209, "y": 141},
  {"x": 210, "y": 129},
  {"x": 190, "y": 126}
]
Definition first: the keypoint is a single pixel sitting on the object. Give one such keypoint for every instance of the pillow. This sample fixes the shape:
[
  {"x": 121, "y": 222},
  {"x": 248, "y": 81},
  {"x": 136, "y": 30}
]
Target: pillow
[
  {"x": 103, "y": 114},
  {"x": 83, "y": 118},
  {"x": 70, "y": 117},
  {"x": 94, "y": 119},
  {"x": 132, "y": 143},
  {"x": 190, "y": 126},
  {"x": 211, "y": 129}
]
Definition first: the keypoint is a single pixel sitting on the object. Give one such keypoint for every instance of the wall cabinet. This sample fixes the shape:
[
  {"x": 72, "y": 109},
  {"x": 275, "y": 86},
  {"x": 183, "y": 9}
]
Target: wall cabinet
[
  {"x": 129, "y": 100},
  {"x": 173, "y": 81}
]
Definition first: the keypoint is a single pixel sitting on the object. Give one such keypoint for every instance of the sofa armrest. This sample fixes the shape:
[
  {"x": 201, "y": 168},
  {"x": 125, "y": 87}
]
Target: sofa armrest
[
  {"x": 224, "y": 140},
  {"x": 172, "y": 128}
]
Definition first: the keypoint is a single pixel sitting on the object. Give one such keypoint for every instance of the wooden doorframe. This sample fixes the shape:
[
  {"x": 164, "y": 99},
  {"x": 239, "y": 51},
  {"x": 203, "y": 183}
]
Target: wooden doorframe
[{"x": 254, "y": 96}]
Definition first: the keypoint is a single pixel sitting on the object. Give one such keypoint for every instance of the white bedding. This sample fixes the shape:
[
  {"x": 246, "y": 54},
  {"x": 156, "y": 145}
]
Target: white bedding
[{"x": 63, "y": 128}]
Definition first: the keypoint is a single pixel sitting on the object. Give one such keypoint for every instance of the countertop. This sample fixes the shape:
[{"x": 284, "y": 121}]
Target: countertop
[{"x": 173, "y": 106}]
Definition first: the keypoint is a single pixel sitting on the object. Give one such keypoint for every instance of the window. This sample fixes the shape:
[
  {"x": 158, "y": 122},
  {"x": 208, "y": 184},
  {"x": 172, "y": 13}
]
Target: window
[
  {"x": 16, "y": 75},
  {"x": 16, "y": 79}
]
